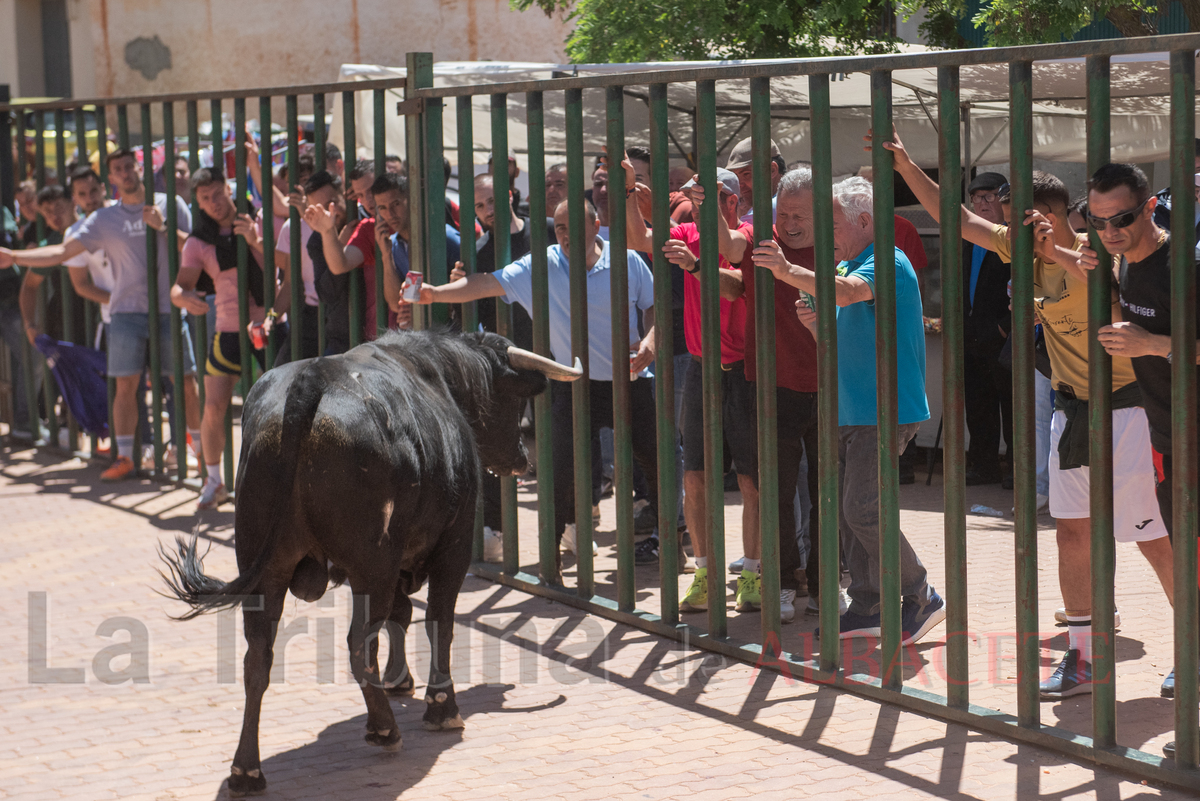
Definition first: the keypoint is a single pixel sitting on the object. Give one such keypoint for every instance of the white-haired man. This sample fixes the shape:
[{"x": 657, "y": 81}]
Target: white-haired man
[{"x": 858, "y": 434}]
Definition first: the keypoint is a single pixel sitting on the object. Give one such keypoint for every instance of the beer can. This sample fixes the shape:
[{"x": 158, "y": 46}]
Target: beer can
[
  {"x": 412, "y": 293},
  {"x": 258, "y": 338}
]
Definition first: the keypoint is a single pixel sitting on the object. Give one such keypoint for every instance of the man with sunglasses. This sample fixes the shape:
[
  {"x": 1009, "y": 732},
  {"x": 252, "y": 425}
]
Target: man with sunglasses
[
  {"x": 1060, "y": 299},
  {"x": 1125, "y": 216}
]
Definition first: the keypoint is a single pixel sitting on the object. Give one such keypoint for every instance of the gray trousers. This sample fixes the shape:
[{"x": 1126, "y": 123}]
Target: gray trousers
[{"x": 858, "y": 483}]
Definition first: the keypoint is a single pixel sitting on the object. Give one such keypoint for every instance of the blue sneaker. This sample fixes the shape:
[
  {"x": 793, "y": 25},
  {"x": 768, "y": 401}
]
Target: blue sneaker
[
  {"x": 916, "y": 621},
  {"x": 853, "y": 624}
]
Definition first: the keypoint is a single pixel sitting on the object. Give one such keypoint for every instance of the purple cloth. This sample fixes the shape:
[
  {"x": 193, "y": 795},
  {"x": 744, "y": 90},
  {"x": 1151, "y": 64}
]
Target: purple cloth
[{"x": 80, "y": 372}]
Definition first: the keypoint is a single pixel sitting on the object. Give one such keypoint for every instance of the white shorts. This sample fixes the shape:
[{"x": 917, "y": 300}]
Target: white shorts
[{"x": 1136, "y": 517}]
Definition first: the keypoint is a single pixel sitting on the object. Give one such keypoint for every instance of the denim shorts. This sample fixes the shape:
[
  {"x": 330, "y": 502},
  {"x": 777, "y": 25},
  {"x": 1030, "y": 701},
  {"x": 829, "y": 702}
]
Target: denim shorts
[{"x": 129, "y": 342}]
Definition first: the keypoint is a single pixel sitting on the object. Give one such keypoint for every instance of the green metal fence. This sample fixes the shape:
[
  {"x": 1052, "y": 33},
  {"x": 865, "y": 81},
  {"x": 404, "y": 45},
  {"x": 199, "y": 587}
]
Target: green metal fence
[{"x": 424, "y": 108}]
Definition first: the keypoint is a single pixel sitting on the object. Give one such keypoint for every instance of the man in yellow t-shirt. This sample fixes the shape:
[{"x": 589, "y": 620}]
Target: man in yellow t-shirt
[{"x": 1060, "y": 297}]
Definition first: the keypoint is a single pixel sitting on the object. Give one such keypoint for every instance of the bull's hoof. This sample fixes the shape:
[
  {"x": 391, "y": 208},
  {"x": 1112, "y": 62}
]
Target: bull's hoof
[
  {"x": 405, "y": 688},
  {"x": 455, "y": 722},
  {"x": 243, "y": 783},
  {"x": 389, "y": 739}
]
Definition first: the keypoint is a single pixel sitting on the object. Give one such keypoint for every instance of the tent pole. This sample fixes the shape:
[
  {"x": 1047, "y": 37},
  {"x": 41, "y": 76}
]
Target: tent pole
[{"x": 966, "y": 150}]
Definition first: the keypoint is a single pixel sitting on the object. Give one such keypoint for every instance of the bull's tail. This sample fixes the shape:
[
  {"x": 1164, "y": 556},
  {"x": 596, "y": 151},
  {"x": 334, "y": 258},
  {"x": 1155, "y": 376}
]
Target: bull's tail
[
  {"x": 270, "y": 487},
  {"x": 186, "y": 580}
]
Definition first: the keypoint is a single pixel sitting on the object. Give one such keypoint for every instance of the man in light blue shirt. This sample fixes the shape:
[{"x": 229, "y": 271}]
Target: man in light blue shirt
[
  {"x": 515, "y": 283},
  {"x": 858, "y": 434}
]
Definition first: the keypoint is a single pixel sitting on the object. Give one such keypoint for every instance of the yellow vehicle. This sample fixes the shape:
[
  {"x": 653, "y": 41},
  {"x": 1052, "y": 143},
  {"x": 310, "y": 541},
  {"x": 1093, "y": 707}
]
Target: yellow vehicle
[{"x": 49, "y": 134}]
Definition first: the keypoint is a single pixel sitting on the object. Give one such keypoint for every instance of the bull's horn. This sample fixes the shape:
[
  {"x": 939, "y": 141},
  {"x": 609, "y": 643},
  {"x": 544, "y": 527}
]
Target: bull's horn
[{"x": 522, "y": 359}]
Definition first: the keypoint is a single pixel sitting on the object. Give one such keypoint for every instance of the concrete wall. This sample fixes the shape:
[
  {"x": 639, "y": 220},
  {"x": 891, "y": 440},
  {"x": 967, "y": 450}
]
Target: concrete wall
[
  {"x": 141, "y": 46},
  {"x": 21, "y": 64}
]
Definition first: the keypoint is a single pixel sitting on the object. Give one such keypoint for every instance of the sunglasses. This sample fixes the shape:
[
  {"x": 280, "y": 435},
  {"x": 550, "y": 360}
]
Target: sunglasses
[{"x": 1122, "y": 220}]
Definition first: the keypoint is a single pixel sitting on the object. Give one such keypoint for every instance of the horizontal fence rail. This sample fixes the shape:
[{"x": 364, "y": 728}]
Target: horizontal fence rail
[{"x": 606, "y": 321}]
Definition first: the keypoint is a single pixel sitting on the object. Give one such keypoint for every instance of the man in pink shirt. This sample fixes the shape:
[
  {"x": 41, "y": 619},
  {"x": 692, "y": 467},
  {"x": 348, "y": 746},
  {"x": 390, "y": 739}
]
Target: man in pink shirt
[{"x": 212, "y": 249}]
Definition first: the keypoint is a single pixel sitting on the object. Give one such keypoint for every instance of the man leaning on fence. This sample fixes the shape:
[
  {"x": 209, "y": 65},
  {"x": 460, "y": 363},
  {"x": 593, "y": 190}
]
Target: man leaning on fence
[
  {"x": 858, "y": 432},
  {"x": 514, "y": 283},
  {"x": 1121, "y": 211},
  {"x": 120, "y": 230},
  {"x": 1060, "y": 300}
]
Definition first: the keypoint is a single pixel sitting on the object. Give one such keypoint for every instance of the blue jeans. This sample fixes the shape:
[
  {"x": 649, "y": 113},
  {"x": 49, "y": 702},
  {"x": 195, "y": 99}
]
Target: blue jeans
[
  {"x": 13, "y": 331},
  {"x": 1043, "y": 411}
]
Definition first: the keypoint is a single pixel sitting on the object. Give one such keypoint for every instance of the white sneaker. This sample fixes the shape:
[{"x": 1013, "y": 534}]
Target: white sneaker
[
  {"x": 571, "y": 543},
  {"x": 212, "y": 495},
  {"x": 1060, "y": 615},
  {"x": 787, "y": 607},
  {"x": 493, "y": 545}
]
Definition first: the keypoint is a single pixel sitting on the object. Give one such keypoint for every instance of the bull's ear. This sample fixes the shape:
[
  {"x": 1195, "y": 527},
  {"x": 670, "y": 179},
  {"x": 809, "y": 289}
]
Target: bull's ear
[{"x": 521, "y": 359}]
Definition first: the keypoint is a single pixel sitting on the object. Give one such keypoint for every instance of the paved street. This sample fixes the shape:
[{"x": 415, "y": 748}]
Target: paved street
[{"x": 105, "y": 697}]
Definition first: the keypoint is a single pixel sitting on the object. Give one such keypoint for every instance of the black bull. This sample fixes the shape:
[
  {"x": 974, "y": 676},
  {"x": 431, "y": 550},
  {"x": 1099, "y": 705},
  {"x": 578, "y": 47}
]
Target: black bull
[{"x": 365, "y": 467}]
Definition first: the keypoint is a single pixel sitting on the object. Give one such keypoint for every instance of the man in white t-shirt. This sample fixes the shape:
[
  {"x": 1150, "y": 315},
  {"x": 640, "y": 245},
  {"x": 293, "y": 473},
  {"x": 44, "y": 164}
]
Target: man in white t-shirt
[
  {"x": 305, "y": 321},
  {"x": 120, "y": 230}
]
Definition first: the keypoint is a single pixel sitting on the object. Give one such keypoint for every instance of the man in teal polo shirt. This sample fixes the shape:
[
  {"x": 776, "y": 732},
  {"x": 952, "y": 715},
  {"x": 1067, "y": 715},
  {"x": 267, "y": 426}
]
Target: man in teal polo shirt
[{"x": 858, "y": 434}]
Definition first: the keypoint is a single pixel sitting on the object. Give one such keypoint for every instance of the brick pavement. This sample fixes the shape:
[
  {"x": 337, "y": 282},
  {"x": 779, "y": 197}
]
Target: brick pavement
[{"x": 557, "y": 704}]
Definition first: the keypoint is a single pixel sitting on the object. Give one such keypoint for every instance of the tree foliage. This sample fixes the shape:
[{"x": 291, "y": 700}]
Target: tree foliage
[
  {"x": 1018, "y": 22},
  {"x": 667, "y": 30}
]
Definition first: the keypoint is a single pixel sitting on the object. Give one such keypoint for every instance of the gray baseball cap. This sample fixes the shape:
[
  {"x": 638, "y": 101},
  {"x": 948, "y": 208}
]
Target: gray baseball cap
[
  {"x": 742, "y": 156},
  {"x": 724, "y": 177}
]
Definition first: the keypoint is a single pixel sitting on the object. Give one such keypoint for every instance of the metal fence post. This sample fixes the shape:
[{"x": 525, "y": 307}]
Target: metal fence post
[
  {"x": 1103, "y": 552},
  {"x": 664, "y": 367},
  {"x": 266, "y": 168},
  {"x": 886, "y": 380},
  {"x": 827, "y": 504},
  {"x": 298, "y": 309},
  {"x": 1021, "y": 179},
  {"x": 357, "y": 277},
  {"x": 380, "y": 153},
  {"x": 319, "y": 142},
  {"x": 1185, "y": 495},
  {"x": 152, "y": 296},
  {"x": 179, "y": 430},
  {"x": 954, "y": 461}
]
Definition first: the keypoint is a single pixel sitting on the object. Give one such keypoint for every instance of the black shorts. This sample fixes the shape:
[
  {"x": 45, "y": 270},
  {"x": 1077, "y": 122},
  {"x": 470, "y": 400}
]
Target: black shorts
[
  {"x": 738, "y": 415},
  {"x": 225, "y": 355}
]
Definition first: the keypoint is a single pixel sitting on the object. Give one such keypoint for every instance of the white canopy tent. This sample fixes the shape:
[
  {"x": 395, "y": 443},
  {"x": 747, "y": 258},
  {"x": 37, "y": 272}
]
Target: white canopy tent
[{"x": 1139, "y": 89}]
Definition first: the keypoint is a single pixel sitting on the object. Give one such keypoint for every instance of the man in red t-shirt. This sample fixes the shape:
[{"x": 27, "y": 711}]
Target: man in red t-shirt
[
  {"x": 795, "y": 380},
  {"x": 737, "y": 396}
]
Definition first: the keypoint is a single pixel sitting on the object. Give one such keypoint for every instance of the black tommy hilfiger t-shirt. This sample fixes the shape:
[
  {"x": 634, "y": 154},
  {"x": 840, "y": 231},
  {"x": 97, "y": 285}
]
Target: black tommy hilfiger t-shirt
[{"x": 1146, "y": 301}]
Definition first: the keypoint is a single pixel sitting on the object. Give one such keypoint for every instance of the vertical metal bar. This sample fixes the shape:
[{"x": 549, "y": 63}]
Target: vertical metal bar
[
  {"x": 28, "y": 356},
  {"x": 179, "y": 430},
  {"x": 380, "y": 147},
  {"x": 435, "y": 200},
  {"x": 90, "y": 309},
  {"x": 664, "y": 366},
  {"x": 319, "y": 141},
  {"x": 218, "y": 148},
  {"x": 581, "y": 404},
  {"x": 39, "y": 152},
  {"x": 885, "y": 376},
  {"x": 123, "y": 127},
  {"x": 419, "y": 75},
  {"x": 152, "y": 295},
  {"x": 266, "y": 168},
  {"x": 102, "y": 142},
  {"x": 502, "y": 236},
  {"x": 619, "y": 300},
  {"x": 710, "y": 338},
  {"x": 827, "y": 354},
  {"x": 539, "y": 264},
  {"x": 1104, "y": 689},
  {"x": 200, "y": 334},
  {"x": 295, "y": 245},
  {"x": 9, "y": 179},
  {"x": 66, "y": 291},
  {"x": 243, "y": 250},
  {"x": 1021, "y": 178},
  {"x": 1185, "y": 496},
  {"x": 466, "y": 212},
  {"x": 357, "y": 280},
  {"x": 953, "y": 396}
]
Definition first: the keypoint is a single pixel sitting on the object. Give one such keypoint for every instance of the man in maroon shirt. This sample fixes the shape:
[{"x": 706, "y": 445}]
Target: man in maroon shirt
[{"x": 795, "y": 379}]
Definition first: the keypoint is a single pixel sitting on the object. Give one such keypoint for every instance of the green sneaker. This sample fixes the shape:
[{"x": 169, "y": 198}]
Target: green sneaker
[
  {"x": 696, "y": 597},
  {"x": 749, "y": 592}
]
